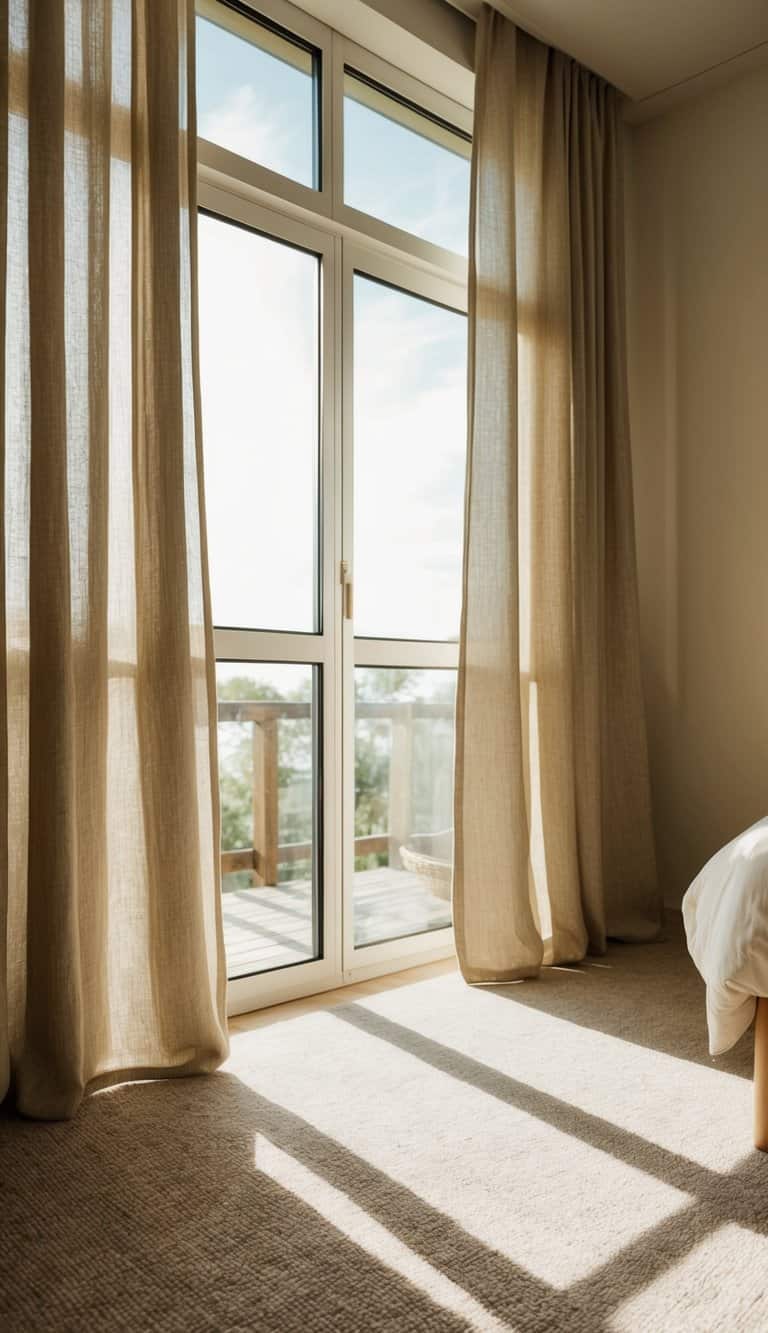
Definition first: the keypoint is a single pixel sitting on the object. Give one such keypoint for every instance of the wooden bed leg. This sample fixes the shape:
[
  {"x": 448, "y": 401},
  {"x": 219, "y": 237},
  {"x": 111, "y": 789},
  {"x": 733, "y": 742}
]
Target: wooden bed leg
[{"x": 761, "y": 1075}]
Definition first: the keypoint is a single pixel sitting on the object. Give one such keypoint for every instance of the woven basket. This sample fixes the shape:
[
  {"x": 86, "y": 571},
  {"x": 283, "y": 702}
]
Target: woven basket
[{"x": 429, "y": 855}]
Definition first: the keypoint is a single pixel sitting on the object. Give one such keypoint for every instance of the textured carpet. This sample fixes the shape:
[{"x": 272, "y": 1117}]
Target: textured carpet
[{"x": 560, "y": 1154}]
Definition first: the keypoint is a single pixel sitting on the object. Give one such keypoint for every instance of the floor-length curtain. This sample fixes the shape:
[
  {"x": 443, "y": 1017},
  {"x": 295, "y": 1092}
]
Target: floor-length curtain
[
  {"x": 110, "y": 911},
  {"x": 553, "y": 841}
]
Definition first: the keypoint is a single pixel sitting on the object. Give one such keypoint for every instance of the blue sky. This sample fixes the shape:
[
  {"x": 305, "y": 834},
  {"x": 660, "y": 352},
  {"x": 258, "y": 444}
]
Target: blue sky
[{"x": 254, "y": 104}]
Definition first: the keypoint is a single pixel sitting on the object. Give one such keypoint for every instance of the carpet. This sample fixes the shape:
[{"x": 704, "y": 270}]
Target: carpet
[{"x": 557, "y": 1154}]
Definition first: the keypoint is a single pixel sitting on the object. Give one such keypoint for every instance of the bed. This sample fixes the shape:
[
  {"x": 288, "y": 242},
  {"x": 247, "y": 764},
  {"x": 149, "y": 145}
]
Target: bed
[{"x": 725, "y": 913}]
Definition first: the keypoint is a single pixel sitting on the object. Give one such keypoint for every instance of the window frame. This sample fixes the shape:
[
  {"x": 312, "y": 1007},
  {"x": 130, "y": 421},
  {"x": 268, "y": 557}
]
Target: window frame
[{"x": 233, "y": 187}]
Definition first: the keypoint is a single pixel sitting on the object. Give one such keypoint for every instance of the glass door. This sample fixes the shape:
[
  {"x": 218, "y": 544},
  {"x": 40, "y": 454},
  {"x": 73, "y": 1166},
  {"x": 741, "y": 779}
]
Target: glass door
[{"x": 404, "y": 463}]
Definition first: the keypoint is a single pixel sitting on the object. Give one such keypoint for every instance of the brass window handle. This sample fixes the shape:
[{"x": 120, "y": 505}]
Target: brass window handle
[{"x": 346, "y": 583}]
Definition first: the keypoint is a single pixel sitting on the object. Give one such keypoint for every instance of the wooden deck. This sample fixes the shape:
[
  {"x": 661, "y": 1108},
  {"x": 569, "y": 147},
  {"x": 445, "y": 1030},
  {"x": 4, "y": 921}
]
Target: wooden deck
[{"x": 267, "y": 928}]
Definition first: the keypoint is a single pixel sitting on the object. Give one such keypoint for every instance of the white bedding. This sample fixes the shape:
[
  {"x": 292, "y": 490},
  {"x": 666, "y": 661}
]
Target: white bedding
[{"x": 726, "y": 923}]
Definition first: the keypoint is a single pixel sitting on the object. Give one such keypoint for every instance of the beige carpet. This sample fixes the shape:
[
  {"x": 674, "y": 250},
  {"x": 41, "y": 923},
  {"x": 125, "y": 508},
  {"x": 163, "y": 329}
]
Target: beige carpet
[{"x": 560, "y": 1154}]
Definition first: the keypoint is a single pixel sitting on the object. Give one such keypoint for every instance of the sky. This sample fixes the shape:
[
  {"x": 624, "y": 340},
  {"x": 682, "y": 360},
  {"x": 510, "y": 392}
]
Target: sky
[
  {"x": 254, "y": 104},
  {"x": 405, "y": 178},
  {"x": 409, "y": 429},
  {"x": 259, "y": 358}
]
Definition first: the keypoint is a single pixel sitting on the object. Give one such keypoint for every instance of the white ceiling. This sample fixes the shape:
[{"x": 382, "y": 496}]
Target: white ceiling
[{"x": 647, "y": 47}]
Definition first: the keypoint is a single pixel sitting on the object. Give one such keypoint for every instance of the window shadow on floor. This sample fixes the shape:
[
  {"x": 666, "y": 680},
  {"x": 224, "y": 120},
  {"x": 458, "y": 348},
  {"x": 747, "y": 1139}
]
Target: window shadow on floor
[
  {"x": 647, "y": 994},
  {"x": 150, "y": 1211},
  {"x": 155, "y": 1209}
]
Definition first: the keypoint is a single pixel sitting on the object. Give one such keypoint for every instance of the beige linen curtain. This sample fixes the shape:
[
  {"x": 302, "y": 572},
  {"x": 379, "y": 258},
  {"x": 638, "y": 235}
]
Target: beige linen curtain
[
  {"x": 554, "y": 848},
  {"x": 109, "y": 900}
]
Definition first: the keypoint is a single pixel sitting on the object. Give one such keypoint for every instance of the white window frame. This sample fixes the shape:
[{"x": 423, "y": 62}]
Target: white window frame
[{"x": 347, "y": 241}]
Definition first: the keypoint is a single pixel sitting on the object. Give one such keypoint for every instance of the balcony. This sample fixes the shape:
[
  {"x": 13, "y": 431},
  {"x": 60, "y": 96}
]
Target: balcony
[{"x": 402, "y": 880}]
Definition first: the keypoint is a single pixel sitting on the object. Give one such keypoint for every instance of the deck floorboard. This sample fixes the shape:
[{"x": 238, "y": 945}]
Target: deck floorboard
[{"x": 266, "y": 928}]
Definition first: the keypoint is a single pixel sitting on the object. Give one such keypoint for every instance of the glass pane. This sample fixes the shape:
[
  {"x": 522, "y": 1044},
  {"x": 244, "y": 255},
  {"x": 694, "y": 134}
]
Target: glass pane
[
  {"x": 260, "y": 370},
  {"x": 268, "y": 784},
  {"x": 405, "y": 168},
  {"x": 257, "y": 94},
  {"x": 403, "y": 801},
  {"x": 410, "y": 378}
]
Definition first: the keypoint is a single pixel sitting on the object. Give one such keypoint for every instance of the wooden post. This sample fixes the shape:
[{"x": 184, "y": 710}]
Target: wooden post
[
  {"x": 265, "y": 832},
  {"x": 761, "y": 1075},
  {"x": 400, "y": 776}
]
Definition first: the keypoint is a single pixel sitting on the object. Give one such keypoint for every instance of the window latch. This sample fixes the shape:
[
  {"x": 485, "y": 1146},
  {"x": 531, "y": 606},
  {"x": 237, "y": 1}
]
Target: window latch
[{"x": 346, "y": 584}]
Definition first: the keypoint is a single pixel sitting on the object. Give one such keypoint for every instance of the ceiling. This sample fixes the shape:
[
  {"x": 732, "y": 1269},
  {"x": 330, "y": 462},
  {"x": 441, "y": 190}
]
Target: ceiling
[{"x": 656, "y": 51}]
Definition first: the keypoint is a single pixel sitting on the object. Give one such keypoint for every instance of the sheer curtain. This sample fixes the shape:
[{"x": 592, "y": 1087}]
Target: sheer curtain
[
  {"x": 109, "y": 899},
  {"x": 554, "y": 845}
]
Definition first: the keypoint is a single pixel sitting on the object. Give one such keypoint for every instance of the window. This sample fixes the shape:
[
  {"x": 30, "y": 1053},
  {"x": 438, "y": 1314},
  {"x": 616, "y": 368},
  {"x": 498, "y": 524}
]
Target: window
[
  {"x": 268, "y": 769},
  {"x": 409, "y": 386},
  {"x": 403, "y": 802},
  {"x": 257, "y": 92},
  {"x": 402, "y": 166},
  {"x": 260, "y": 362},
  {"x": 333, "y": 372}
]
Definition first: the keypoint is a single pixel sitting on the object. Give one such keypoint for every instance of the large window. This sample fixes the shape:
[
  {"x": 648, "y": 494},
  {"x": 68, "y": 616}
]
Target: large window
[{"x": 332, "y": 244}]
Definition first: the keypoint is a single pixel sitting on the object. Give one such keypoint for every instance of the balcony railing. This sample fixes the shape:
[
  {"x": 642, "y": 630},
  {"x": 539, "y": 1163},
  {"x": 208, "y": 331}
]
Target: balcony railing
[{"x": 268, "y": 853}]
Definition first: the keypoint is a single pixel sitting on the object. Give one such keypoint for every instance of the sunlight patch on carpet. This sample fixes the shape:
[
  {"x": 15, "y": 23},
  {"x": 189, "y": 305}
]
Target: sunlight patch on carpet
[
  {"x": 624, "y": 1079},
  {"x": 352, "y": 1221},
  {"x": 688, "y": 1295},
  {"x": 555, "y": 1205}
]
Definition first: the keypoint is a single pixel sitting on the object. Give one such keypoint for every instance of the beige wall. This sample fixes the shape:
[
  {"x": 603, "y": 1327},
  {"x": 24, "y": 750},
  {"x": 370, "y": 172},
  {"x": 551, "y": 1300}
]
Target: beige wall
[{"x": 697, "y": 215}]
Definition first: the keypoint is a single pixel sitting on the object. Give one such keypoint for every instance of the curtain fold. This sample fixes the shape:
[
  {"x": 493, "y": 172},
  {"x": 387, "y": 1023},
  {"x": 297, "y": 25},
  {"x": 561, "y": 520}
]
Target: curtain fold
[
  {"x": 554, "y": 847},
  {"x": 110, "y": 896}
]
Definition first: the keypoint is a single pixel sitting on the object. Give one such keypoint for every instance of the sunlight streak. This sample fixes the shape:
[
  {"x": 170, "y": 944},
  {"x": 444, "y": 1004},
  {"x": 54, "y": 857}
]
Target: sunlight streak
[{"x": 351, "y": 1221}]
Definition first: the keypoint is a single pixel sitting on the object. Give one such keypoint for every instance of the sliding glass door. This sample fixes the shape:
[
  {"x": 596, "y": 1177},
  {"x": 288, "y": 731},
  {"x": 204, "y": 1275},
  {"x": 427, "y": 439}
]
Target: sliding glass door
[{"x": 333, "y": 365}]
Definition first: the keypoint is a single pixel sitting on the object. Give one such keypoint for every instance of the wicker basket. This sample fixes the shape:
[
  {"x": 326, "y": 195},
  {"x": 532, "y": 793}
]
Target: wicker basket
[{"x": 430, "y": 855}]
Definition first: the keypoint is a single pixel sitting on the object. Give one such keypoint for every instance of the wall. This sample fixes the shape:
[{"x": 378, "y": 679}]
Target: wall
[
  {"x": 428, "y": 39},
  {"x": 697, "y": 215}
]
